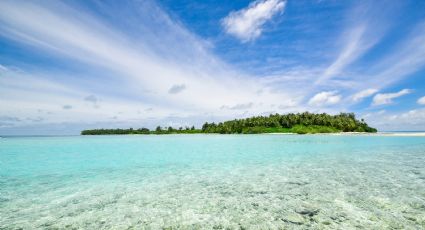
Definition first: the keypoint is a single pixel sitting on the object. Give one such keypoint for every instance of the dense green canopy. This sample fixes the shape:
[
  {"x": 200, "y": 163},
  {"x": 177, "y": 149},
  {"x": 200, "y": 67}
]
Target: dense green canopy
[
  {"x": 275, "y": 123},
  {"x": 344, "y": 122}
]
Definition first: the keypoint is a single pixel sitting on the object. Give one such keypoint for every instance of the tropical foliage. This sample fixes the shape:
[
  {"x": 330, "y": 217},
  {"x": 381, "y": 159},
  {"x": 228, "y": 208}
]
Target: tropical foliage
[
  {"x": 301, "y": 123},
  {"x": 298, "y": 123},
  {"x": 158, "y": 130}
]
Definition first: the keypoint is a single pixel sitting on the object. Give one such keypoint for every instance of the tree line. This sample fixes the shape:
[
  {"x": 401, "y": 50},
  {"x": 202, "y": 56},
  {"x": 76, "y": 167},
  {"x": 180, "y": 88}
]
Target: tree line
[
  {"x": 275, "y": 123},
  {"x": 158, "y": 130}
]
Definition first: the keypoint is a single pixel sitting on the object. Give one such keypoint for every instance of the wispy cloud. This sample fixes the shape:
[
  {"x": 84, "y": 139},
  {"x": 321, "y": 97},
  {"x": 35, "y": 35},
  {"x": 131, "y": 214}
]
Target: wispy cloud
[
  {"x": 31, "y": 98},
  {"x": 363, "y": 94},
  {"x": 246, "y": 24},
  {"x": 404, "y": 120},
  {"x": 2, "y": 67},
  {"x": 401, "y": 60},
  {"x": 387, "y": 98},
  {"x": 325, "y": 98},
  {"x": 366, "y": 25},
  {"x": 9, "y": 118},
  {"x": 404, "y": 59},
  {"x": 421, "y": 101},
  {"x": 353, "y": 49},
  {"x": 134, "y": 61},
  {"x": 239, "y": 106}
]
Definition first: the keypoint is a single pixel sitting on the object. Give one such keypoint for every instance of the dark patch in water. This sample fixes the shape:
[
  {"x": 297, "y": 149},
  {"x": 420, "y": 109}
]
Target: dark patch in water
[
  {"x": 308, "y": 212},
  {"x": 299, "y": 183}
]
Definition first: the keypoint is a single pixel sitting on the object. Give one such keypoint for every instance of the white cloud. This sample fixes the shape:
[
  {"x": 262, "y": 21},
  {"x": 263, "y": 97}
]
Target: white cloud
[
  {"x": 402, "y": 121},
  {"x": 157, "y": 52},
  {"x": 31, "y": 99},
  {"x": 363, "y": 94},
  {"x": 325, "y": 98},
  {"x": 387, "y": 98},
  {"x": 246, "y": 24},
  {"x": 239, "y": 106},
  {"x": 2, "y": 67},
  {"x": 142, "y": 62},
  {"x": 353, "y": 49},
  {"x": 405, "y": 59},
  {"x": 401, "y": 61},
  {"x": 421, "y": 100},
  {"x": 367, "y": 23},
  {"x": 97, "y": 45}
]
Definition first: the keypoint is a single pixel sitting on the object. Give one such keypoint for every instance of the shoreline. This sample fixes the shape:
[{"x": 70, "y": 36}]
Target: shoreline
[
  {"x": 395, "y": 134},
  {"x": 389, "y": 134}
]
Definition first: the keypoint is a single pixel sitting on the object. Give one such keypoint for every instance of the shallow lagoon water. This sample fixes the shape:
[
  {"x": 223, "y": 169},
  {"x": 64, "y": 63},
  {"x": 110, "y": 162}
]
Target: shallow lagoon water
[{"x": 212, "y": 182}]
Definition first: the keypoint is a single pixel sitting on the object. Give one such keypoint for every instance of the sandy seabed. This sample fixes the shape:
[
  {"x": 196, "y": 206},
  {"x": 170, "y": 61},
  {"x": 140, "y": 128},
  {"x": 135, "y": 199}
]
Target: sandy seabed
[{"x": 249, "y": 186}]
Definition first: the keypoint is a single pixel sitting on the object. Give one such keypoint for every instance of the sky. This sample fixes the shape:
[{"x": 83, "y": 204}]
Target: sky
[{"x": 72, "y": 65}]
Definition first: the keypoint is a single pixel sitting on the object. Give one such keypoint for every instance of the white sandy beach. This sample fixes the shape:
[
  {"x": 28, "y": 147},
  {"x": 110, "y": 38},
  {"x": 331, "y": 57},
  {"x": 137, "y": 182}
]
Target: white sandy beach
[{"x": 396, "y": 134}]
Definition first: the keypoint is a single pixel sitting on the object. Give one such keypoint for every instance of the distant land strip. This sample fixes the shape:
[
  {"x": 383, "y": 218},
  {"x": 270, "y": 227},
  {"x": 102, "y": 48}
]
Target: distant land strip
[{"x": 300, "y": 123}]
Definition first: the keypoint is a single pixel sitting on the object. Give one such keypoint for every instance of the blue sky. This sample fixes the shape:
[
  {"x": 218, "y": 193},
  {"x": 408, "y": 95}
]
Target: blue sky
[{"x": 71, "y": 65}]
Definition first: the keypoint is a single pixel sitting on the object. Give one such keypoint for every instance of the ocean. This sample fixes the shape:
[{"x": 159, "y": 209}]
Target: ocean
[{"x": 212, "y": 182}]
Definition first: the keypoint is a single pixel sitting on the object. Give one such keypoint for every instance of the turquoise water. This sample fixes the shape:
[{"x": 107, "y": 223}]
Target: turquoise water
[{"x": 212, "y": 182}]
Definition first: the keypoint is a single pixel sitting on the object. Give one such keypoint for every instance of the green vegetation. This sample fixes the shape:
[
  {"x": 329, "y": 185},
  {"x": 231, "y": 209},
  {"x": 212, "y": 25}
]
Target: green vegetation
[
  {"x": 158, "y": 130},
  {"x": 301, "y": 123},
  {"x": 291, "y": 123}
]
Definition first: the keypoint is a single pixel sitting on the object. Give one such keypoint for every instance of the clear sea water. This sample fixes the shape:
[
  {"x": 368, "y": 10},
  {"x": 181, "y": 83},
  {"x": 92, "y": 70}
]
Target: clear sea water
[{"x": 212, "y": 182}]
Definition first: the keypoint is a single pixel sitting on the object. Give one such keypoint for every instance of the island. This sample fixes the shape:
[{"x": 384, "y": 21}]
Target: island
[{"x": 299, "y": 123}]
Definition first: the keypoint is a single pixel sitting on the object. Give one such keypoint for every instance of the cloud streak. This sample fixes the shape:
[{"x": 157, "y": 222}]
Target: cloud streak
[
  {"x": 247, "y": 24},
  {"x": 325, "y": 99},
  {"x": 421, "y": 101},
  {"x": 353, "y": 49},
  {"x": 363, "y": 94},
  {"x": 406, "y": 58},
  {"x": 387, "y": 98},
  {"x": 367, "y": 25},
  {"x": 413, "y": 120},
  {"x": 134, "y": 61}
]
